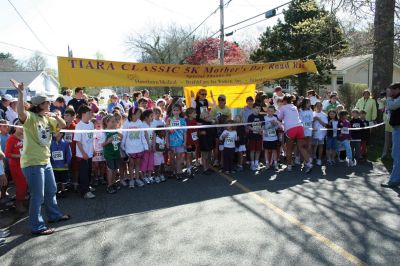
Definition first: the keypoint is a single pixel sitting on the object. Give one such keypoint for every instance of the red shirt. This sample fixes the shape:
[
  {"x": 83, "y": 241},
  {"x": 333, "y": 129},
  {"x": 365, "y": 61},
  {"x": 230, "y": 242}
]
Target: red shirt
[
  {"x": 13, "y": 146},
  {"x": 69, "y": 137},
  {"x": 191, "y": 134}
]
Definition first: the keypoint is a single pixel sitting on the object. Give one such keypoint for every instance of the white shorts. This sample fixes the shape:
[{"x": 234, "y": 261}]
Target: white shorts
[
  {"x": 1, "y": 167},
  {"x": 158, "y": 158},
  {"x": 241, "y": 148}
]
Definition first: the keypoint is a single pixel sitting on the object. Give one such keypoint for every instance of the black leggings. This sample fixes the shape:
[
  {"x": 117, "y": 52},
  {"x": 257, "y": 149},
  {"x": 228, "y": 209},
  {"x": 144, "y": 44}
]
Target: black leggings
[{"x": 229, "y": 156}]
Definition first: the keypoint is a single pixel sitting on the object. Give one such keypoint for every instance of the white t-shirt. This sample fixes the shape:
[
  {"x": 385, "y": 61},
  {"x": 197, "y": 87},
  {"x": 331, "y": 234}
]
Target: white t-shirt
[
  {"x": 85, "y": 138},
  {"x": 270, "y": 129},
  {"x": 133, "y": 141},
  {"x": 156, "y": 123},
  {"x": 319, "y": 134},
  {"x": 99, "y": 138},
  {"x": 306, "y": 117},
  {"x": 229, "y": 138},
  {"x": 11, "y": 115}
]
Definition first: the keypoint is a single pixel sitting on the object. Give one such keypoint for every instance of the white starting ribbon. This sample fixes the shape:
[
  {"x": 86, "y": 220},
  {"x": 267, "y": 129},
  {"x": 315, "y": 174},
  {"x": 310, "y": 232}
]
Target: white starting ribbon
[{"x": 186, "y": 127}]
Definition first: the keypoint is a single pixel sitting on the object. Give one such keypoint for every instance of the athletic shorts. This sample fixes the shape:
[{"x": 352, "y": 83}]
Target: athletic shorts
[
  {"x": 61, "y": 176},
  {"x": 177, "y": 149},
  {"x": 270, "y": 145},
  {"x": 137, "y": 155},
  {"x": 331, "y": 143},
  {"x": 191, "y": 148},
  {"x": 317, "y": 141},
  {"x": 241, "y": 148},
  {"x": 158, "y": 158},
  {"x": 295, "y": 133},
  {"x": 112, "y": 164},
  {"x": 255, "y": 145}
]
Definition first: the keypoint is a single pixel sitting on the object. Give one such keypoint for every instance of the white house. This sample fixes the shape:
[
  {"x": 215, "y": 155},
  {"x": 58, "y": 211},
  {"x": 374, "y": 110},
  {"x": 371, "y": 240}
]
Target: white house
[
  {"x": 356, "y": 69},
  {"x": 36, "y": 82}
]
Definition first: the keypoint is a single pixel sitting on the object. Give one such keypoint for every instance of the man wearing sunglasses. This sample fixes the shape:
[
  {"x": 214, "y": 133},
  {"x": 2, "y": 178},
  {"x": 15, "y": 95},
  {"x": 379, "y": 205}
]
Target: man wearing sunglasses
[
  {"x": 393, "y": 104},
  {"x": 221, "y": 108}
]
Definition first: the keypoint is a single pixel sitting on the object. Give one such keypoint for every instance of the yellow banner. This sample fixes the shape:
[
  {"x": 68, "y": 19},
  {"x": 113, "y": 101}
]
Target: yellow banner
[
  {"x": 235, "y": 95},
  {"x": 79, "y": 72}
]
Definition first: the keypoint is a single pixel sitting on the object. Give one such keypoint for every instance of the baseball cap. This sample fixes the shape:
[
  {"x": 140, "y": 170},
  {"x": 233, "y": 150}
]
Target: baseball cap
[
  {"x": 222, "y": 96},
  {"x": 39, "y": 99},
  {"x": 278, "y": 88},
  {"x": 7, "y": 97},
  {"x": 125, "y": 94}
]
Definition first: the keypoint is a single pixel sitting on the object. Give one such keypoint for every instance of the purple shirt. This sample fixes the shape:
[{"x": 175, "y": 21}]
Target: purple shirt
[
  {"x": 344, "y": 132},
  {"x": 289, "y": 115}
]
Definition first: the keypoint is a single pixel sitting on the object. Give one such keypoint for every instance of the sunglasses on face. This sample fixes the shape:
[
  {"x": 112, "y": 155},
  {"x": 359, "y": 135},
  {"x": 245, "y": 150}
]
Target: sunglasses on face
[
  {"x": 221, "y": 100},
  {"x": 203, "y": 94}
]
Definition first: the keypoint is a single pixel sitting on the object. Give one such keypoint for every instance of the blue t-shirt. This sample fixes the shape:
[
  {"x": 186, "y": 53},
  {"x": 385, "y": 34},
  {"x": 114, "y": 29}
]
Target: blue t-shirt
[{"x": 176, "y": 137}]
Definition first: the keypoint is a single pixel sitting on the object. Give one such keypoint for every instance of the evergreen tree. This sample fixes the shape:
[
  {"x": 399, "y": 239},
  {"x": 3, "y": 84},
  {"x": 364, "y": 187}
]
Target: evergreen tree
[{"x": 307, "y": 31}]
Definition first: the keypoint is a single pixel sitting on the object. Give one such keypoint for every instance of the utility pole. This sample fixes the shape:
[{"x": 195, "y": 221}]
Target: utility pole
[{"x": 221, "y": 45}]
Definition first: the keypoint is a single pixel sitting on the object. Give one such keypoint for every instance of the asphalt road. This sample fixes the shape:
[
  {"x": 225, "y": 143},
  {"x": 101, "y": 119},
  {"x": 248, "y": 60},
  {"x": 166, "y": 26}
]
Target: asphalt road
[{"x": 336, "y": 216}]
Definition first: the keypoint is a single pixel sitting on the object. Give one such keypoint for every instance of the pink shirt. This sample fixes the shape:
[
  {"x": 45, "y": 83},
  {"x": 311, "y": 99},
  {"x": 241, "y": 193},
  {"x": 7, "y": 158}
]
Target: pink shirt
[{"x": 289, "y": 116}]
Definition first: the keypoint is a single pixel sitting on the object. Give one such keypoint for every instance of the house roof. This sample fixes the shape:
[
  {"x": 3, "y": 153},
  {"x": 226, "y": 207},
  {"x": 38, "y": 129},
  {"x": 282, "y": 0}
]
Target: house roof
[
  {"x": 345, "y": 63},
  {"x": 22, "y": 76}
]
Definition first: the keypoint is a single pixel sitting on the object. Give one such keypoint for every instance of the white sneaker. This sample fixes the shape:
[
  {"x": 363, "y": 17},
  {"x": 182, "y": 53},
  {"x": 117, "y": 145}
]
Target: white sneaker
[
  {"x": 124, "y": 183},
  {"x": 131, "y": 183},
  {"x": 253, "y": 167},
  {"x": 92, "y": 189},
  {"x": 139, "y": 182},
  {"x": 276, "y": 167},
  {"x": 146, "y": 180},
  {"x": 319, "y": 162},
  {"x": 351, "y": 163},
  {"x": 162, "y": 178},
  {"x": 89, "y": 195},
  {"x": 157, "y": 179},
  {"x": 297, "y": 161},
  {"x": 151, "y": 179},
  {"x": 307, "y": 168}
]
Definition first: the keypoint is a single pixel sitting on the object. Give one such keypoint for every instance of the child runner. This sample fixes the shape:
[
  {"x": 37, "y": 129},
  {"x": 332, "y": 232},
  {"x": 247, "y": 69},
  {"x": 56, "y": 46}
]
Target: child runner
[
  {"x": 241, "y": 143},
  {"x": 99, "y": 162},
  {"x": 14, "y": 145},
  {"x": 84, "y": 151},
  {"x": 69, "y": 117},
  {"x": 229, "y": 137},
  {"x": 344, "y": 136},
  {"x": 112, "y": 152},
  {"x": 134, "y": 144},
  {"x": 191, "y": 139},
  {"x": 177, "y": 139},
  {"x": 147, "y": 164},
  {"x": 319, "y": 123},
  {"x": 306, "y": 117},
  {"x": 60, "y": 160},
  {"x": 161, "y": 147},
  {"x": 206, "y": 142},
  {"x": 294, "y": 131},
  {"x": 271, "y": 138},
  {"x": 255, "y": 136},
  {"x": 331, "y": 145},
  {"x": 356, "y": 135}
]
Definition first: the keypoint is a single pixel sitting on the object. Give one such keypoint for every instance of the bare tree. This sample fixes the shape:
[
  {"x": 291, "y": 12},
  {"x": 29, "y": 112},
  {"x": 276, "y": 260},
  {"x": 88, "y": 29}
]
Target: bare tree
[
  {"x": 163, "y": 45},
  {"x": 37, "y": 62}
]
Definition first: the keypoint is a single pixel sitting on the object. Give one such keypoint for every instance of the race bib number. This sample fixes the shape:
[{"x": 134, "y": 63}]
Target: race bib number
[
  {"x": 68, "y": 137},
  {"x": 307, "y": 125},
  {"x": 203, "y": 109},
  {"x": 256, "y": 126},
  {"x": 175, "y": 123},
  {"x": 58, "y": 155},
  {"x": 345, "y": 130},
  {"x": 356, "y": 125},
  {"x": 98, "y": 154},
  {"x": 271, "y": 132},
  {"x": 194, "y": 136},
  {"x": 229, "y": 140}
]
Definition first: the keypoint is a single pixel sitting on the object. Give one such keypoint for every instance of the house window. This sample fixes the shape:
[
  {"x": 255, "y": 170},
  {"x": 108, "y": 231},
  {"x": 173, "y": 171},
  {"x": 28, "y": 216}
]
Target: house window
[{"x": 339, "y": 80}]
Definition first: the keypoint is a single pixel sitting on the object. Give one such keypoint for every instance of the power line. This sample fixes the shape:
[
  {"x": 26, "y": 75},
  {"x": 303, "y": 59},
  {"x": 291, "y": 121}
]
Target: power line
[
  {"x": 24, "y": 48},
  {"x": 240, "y": 22},
  {"x": 29, "y": 27},
  {"x": 231, "y": 33}
]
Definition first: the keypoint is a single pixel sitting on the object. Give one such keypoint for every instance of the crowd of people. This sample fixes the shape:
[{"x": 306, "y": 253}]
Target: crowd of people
[{"x": 135, "y": 141}]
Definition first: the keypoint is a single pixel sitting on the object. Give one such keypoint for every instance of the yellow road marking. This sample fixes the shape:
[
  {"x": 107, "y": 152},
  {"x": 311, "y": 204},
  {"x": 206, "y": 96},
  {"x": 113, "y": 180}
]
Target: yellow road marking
[{"x": 330, "y": 244}]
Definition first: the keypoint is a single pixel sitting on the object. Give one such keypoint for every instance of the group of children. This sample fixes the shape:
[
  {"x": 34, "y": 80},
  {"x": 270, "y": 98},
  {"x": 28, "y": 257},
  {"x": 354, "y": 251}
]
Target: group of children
[{"x": 144, "y": 145}]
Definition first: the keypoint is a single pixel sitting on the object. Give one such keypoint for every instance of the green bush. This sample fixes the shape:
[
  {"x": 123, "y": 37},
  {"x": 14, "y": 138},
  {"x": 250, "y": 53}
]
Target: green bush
[{"x": 349, "y": 93}]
